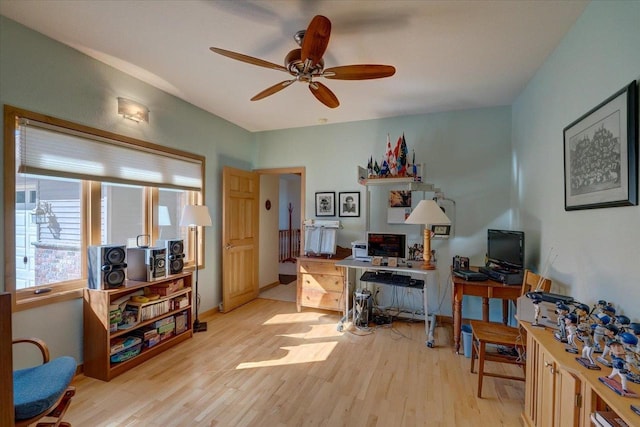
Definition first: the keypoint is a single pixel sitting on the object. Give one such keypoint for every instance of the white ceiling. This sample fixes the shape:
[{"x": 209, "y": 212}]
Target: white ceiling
[{"x": 449, "y": 55}]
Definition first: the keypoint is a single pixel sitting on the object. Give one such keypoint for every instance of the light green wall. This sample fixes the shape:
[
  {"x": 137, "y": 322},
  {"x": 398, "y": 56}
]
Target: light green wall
[
  {"x": 467, "y": 154},
  {"x": 41, "y": 75},
  {"x": 597, "y": 250}
]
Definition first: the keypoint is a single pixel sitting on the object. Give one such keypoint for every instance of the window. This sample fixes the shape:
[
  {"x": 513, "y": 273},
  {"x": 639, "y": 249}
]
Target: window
[
  {"x": 122, "y": 212},
  {"x": 48, "y": 240},
  {"x": 76, "y": 186}
]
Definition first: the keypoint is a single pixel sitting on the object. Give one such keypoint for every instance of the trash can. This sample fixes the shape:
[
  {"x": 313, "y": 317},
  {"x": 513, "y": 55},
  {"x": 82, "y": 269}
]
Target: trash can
[{"x": 466, "y": 340}]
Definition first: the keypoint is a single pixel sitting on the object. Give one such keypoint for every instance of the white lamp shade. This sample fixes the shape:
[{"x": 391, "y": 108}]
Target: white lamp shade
[
  {"x": 163, "y": 216},
  {"x": 427, "y": 212},
  {"x": 195, "y": 215}
]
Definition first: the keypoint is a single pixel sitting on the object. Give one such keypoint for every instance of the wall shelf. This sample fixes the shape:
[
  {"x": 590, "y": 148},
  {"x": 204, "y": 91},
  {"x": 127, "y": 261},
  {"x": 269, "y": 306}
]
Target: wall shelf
[{"x": 408, "y": 183}]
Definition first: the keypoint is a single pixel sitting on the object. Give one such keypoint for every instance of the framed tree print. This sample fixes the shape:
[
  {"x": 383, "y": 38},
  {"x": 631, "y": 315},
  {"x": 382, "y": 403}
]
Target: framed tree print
[
  {"x": 326, "y": 204},
  {"x": 601, "y": 154},
  {"x": 349, "y": 203}
]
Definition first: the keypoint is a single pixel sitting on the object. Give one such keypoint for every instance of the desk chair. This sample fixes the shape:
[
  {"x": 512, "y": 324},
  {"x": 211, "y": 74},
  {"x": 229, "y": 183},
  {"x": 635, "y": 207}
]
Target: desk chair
[
  {"x": 43, "y": 390},
  {"x": 497, "y": 334}
]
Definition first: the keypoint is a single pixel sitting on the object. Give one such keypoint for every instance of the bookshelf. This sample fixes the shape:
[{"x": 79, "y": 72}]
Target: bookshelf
[{"x": 99, "y": 334}]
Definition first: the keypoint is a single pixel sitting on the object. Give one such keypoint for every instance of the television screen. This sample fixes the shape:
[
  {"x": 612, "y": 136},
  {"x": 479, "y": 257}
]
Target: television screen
[
  {"x": 387, "y": 245},
  {"x": 506, "y": 248}
]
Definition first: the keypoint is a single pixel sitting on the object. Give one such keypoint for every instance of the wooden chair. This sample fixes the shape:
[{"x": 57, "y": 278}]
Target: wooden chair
[
  {"x": 34, "y": 392},
  {"x": 497, "y": 335}
]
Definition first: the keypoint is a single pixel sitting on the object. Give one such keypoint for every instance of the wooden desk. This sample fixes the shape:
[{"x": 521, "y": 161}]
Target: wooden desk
[{"x": 485, "y": 289}]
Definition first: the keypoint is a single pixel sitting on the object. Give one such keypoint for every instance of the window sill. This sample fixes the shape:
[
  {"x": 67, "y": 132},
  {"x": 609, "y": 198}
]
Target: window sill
[{"x": 28, "y": 300}]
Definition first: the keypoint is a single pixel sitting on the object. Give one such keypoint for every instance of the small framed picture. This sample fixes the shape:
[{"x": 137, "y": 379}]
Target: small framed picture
[
  {"x": 326, "y": 204},
  {"x": 349, "y": 203},
  {"x": 440, "y": 229},
  {"x": 399, "y": 199}
]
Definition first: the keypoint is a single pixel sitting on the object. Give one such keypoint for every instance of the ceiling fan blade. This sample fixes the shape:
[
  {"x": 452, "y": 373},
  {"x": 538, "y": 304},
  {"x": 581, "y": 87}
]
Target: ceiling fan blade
[
  {"x": 273, "y": 89},
  {"x": 248, "y": 59},
  {"x": 324, "y": 94},
  {"x": 359, "y": 72},
  {"x": 316, "y": 40}
]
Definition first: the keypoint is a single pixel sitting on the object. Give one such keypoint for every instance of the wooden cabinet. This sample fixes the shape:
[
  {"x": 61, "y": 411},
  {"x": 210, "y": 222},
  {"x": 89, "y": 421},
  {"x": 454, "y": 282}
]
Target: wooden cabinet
[
  {"x": 320, "y": 284},
  {"x": 560, "y": 392},
  {"x": 99, "y": 337}
]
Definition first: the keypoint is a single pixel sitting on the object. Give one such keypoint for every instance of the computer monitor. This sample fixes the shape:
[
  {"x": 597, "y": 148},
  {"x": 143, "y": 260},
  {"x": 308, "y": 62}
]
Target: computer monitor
[
  {"x": 387, "y": 245},
  {"x": 506, "y": 248}
]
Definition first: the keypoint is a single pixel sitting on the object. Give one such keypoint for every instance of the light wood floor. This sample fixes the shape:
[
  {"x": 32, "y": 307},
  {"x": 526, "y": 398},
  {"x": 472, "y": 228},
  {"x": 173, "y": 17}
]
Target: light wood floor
[{"x": 264, "y": 364}]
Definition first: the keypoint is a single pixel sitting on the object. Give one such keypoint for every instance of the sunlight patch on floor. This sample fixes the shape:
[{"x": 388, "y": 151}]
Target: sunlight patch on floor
[
  {"x": 303, "y": 353},
  {"x": 294, "y": 318},
  {"x": 317, "y": 331}
]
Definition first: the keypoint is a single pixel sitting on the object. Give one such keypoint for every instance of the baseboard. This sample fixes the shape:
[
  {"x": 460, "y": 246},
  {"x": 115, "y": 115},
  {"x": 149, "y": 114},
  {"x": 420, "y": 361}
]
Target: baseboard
[{"x": 269, "y": 286}]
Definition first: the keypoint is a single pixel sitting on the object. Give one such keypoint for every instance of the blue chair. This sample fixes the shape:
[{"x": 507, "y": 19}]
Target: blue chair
[{"x": 43, "y": 390}]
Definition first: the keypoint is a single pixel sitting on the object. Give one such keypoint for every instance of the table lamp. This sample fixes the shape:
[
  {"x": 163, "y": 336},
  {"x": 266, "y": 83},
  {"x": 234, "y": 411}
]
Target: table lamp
[
  {"x": 427, "y": 213},
  {"x": 196, "y": 216}
]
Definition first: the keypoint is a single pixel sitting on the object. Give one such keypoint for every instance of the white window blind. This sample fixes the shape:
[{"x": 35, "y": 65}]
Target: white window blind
[{"x": 44, "y": 149}]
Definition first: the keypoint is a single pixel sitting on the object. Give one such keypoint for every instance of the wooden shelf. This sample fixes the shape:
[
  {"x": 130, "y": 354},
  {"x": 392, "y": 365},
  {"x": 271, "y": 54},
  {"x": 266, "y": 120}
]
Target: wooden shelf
[
  {"x": 97, "y": 337},
  {"x": 410, "y": 182}
]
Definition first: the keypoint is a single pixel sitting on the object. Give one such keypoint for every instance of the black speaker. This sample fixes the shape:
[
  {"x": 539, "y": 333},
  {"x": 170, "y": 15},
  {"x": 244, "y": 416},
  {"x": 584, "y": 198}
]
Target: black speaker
[
  {"x": 175, "y": 254},
  {"x": 107, "y": 266}
]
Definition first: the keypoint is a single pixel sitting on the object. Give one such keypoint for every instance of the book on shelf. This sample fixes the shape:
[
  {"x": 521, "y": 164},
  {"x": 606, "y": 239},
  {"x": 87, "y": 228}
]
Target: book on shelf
[{"x": 608, "y": 419}]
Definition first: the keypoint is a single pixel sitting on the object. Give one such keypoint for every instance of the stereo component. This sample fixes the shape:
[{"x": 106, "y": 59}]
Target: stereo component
[
  {"x": 175, "y": 254},
  {"x": 146, "y": 264},
  {"x": 107, "y": 266}
]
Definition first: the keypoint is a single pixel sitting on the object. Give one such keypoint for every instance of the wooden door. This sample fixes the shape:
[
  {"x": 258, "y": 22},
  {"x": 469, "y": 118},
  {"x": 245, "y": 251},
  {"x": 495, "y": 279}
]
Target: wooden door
[{"x": 240, "y": 198}]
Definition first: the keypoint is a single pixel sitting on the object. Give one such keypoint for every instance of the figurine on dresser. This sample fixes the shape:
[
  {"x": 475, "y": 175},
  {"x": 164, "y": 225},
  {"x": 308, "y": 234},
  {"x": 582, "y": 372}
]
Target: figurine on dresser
[
  {"x": 601, "y": 321},
  {"x": 536, "y": 300},
  {"x": 571, "y": 327},
  {"x": 622, "y": 322},
  {"x": 610, "y": 333},
  {"x": 582, "y": 312},
  {"x": 629, "y": 343},
  {"x": 635, "y": 329},
  {"x": 584, "y": 335},
  {"x": 619, "y": 370},
  {"x": 561, "y": 310}
]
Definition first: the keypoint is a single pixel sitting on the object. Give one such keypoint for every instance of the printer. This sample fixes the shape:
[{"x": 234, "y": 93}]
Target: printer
[{"x": 359, "y": 251}]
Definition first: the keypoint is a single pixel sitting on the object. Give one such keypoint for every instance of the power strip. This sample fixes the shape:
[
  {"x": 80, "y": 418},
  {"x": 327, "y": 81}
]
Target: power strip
[{"x": 410, "y": 316}]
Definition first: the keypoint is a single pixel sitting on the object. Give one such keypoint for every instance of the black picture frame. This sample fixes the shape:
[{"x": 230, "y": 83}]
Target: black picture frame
[
  {"x": 326, "y": 203},
  {"x": 601, "y": 154},
  {"x": 346, "y": 207}
]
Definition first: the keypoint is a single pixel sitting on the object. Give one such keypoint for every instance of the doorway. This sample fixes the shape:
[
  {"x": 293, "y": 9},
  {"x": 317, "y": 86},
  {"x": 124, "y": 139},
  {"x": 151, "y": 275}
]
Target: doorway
[{"x": 282, "y": 213}]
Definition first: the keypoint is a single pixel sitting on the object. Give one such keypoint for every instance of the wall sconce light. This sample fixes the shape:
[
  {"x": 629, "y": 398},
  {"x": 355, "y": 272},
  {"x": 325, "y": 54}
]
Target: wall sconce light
[{"x": 133, "y": 110}]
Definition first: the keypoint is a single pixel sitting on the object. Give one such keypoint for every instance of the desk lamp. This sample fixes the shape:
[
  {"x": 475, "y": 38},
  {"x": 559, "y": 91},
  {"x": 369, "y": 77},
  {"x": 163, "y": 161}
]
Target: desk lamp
[
  {"x": 196, "y": 216},
  {"x": 427, "y": 213}
]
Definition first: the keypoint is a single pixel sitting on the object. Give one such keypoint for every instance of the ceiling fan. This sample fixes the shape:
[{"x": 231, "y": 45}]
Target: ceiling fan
[{"x": 306, "y": 64}]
